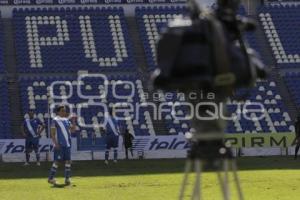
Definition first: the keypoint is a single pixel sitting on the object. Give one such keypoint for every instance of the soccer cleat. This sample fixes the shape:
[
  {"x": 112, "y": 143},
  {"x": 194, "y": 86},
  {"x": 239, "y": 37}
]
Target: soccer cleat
[
  {"x": 52, "y": 181},
  {"x": 26, "y": 164},
  {"x": 106, "y": 162},
  {"x": 115, "y": 161},
  {"x": 68, "y": 182},
  {"x": 38, "y": 164}
]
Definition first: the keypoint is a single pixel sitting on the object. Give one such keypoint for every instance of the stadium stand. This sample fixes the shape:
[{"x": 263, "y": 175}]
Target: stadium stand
[
  {"x": 35, "y": 93},
  {"x": 249, "y": 36},
  {"x": 65, "y": 40},
  {"x": 292, "y": 80},
  {"x": 280, "y": 24},
  {"x": 276, "y": 117},
  {"x": 150, "y": 22},
  {"x": 72, "y": 39},
  {"x": 173, "y": 112},
  {"x": 264, "y": 93},
  {"x": 5, "y": 132},
  {"x": 1, "y": 47},
  {"x": 281, "y": 1}
]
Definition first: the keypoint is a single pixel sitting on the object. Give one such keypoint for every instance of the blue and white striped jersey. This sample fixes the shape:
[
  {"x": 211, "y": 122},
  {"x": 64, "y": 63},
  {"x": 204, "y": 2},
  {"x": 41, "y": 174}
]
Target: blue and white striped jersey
[
  {"x": 63, "y": 133},
  {"x": 112, "y": 125},
  {"x": 31, "y": 127}
]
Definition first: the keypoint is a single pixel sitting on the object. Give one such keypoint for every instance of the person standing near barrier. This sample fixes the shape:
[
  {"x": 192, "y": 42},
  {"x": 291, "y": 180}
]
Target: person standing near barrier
[
  {"x": 31, "y": 131},
  {"x": 127, "y": 140},
  {"x": 112, "y": 132},
  {"x": 61, "y": 130},
  {"x": 297, "y": 138}
]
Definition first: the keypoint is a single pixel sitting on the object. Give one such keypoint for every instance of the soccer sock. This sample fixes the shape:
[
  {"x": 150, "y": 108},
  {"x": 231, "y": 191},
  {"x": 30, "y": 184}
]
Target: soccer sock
[
  {"x": 37, "y": 154},
  {"x": 131, "y": 151},
  {"x": 67, "y": 171},
  {"x": 126, "y": 153},
  {"x": 106, "y": 154},
  {"x": 53, "y": 171},
  {"x": 27, "y": 157},
  {"x": 296, "y": 150},
  {"x": 115, "y": 154}
]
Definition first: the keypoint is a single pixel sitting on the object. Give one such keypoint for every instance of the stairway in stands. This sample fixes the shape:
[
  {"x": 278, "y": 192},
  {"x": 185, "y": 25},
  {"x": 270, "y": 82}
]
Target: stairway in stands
[
  {"x": 10, "y": 61},
  {"x": 138, "y": 50},
  {"x": 159, "y": 125},
  {"x": 277, "y": 73},
  {"x": 140, "y": 58}
]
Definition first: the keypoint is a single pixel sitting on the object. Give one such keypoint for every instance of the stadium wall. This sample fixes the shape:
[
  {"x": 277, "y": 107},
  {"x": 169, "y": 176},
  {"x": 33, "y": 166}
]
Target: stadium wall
[
  {"x": 6, "y": 6},
  {"x": 129, "y": 9},
  {"x": 161, "y": 147}
]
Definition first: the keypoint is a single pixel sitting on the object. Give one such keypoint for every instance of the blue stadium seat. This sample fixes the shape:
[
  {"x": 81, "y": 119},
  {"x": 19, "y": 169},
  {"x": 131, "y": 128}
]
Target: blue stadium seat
[
  {"x": 1, "y": 48},
  {"x": 150, "y": 22},
  {"x": 281, "y": 27},
  {"x": 292, "y": 80},
  {"x": 5, "y": 128},
  {"x": 276, "y": 118},
  {"x": 68, "y": 40},
  {"x": 36, "y": 93}
]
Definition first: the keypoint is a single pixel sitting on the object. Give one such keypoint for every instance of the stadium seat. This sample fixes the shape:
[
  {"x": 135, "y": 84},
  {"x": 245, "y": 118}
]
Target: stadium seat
[
  {"x": 52, "y": 44},
  {"x": 1, "y": 48},
  {"x": 280, "y": 24},
  {"x": 150, "y": 21},
  {"x": 60, "y": 41},
  {"x": 119, "y": 92},
  {"x": 5, "y": 121}
]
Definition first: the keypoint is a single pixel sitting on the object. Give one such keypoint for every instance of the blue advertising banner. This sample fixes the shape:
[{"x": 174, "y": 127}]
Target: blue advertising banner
[
  {"x": 14, "y": 146},
  {"x": 84, "y": 2},
  {"x": 158, "y": 143}
]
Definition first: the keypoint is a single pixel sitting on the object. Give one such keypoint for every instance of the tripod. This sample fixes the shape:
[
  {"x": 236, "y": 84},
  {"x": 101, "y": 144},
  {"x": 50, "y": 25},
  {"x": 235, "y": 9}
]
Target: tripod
[{"x": 218, "y": 157}]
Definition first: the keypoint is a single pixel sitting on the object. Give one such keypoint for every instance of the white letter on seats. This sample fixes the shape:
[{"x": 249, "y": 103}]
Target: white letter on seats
[
  {"x": 89, "y": 42},
  {"x": 35, "y": 41}
]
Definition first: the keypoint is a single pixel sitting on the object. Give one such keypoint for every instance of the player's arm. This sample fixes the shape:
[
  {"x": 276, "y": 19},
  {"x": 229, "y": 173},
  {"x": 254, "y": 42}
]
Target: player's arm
[
  {"x": 23, "y": 131},
  {"x": 53, "y": 136},
  {"x": 41, "y": 127},
  {"x": 73, "y": 125},
  {"x": 296, "y": 131},
  {"x": 102, "y": 130},
  {"x": 131, "y": 137},
  {"x": 118, "y": 127},
  {"x": 73, "y": 128},
  {"x": 124, "y": 136}
]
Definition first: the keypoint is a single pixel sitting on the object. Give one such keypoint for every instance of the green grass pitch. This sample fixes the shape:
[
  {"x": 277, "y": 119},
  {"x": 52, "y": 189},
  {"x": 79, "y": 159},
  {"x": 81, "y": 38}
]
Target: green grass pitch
[{"x": 269, "y": 178}]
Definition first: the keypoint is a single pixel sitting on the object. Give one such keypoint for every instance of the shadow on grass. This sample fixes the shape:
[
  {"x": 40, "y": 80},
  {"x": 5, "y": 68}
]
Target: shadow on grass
[
  {"x": 62, "y": 186},
  {"x": 136, "y": 167}
]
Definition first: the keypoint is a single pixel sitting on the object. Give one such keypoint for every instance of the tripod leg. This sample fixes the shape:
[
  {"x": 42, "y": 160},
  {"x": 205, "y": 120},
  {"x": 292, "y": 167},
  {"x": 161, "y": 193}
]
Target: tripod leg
[
  {"x": 236, "y": 180},
  {"x": 226, "y": 180},
  {"x": 221, "y": 182},
  {"x": 187, "y": 170},
  {"x": 197, "y": 190}
]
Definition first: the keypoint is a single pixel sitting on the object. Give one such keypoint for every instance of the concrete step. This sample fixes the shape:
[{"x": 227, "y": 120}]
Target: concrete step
[
  {"x": 139, "y": 53},
  {"x": 276, "y": 74},
  {"x": 10, "y": 61}
]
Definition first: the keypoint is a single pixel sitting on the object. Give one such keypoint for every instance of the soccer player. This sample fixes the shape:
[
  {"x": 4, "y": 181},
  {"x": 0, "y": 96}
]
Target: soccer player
[
  {"x": 31, "y": 130},
  {"x": 127, "y": 140},
  {"x": 297, "y": 139},
  {"x": 112, "y": 136},
  {"x": 61, "y": 129}
]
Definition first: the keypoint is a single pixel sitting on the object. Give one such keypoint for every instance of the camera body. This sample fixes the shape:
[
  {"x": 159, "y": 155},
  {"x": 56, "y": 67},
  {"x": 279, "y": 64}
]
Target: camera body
[{"x": 206, "y": 51}]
